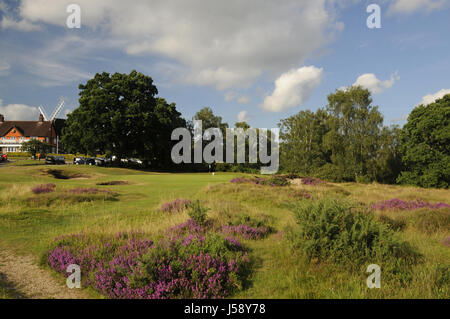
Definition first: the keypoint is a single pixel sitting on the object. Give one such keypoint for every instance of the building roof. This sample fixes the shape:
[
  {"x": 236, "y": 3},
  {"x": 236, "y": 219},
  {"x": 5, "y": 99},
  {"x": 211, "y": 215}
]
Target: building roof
[{"x": 28, "y": 128}]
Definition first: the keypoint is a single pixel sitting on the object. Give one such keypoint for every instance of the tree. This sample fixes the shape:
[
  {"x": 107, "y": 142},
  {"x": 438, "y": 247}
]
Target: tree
[
  {"x": 120, "y": 115},
  {"x": 425, "y": 145},
  {"x": 355, "y": 128},
  {"x": 34, "y": 147},
  {"x": 302, "y": 135},
  {"x": 209, "y": 120}
]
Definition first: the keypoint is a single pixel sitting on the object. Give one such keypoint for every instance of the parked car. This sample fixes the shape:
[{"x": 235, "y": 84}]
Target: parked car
[
  {"x": 135, "y": 161},
  {"x": 79, "y": 160},
  {"x": 100, "y": 161},
  {"x": 55, "y": 160},
  {"x": 2, "y": 158},
  {"x": 90, "y": 161}
]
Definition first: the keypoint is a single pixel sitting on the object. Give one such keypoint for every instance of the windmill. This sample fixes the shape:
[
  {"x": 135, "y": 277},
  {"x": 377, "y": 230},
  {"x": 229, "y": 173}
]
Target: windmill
[
  {"x": 55, "y": 112},
  {"x": 52, "y": 118}
]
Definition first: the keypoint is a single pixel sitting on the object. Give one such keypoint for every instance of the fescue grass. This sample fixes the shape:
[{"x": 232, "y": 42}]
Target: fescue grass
[{"x": 280, "y": 271}]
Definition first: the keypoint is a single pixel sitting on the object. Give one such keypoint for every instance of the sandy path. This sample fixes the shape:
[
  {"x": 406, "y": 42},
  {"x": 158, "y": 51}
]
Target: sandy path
[{"x": 28, "y": 280}]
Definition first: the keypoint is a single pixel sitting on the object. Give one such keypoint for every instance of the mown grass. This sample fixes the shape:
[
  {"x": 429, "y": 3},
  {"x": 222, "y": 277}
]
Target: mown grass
[{"x": 280, "y": 270}]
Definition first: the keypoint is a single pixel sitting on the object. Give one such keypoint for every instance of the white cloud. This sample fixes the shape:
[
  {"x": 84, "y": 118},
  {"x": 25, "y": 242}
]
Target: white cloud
[
  {"x": 231, "y": 95},
  {"x": 430, "y": 98},
  {"x": 243, "y": 100},
  {"x": 224, "y": 44},
  {"x": 243, "y": 116},
  {"x": 374, "y": 85},
  {"x": 16, "y": 112},
  {"x": 54, "y": 73},
  {"x": 410, "y": 6},
  {"x": 21, "y": 25},
  {"x": 293, "y": 88},
  {"x": 4, "y": 68}
]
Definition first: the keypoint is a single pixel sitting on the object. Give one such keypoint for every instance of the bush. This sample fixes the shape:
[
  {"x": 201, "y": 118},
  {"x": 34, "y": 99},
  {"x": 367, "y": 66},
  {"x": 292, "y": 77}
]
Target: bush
[
  {"x": 188, "y": 262},
  {"x": 43, "y": 188},
  {"x": 176, "y": 205},
  {"x": 197, "y": 212},
  {"x": 363, "y": 179},
  {"x": 394, "y": 224},
  {"x": 332, "y": 230}
]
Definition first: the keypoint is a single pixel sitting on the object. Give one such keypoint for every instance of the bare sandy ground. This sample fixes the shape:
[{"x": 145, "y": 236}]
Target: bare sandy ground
[{"x": 27, "y": 280}]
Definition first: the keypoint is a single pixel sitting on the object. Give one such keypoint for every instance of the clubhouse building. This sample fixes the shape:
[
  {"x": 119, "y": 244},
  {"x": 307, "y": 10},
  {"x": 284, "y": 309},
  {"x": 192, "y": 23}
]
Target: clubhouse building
[{"x": 14, "y": 133}]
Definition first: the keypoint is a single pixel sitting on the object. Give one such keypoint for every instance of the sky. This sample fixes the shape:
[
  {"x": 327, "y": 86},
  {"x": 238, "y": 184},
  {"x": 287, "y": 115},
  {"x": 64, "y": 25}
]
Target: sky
[{"x": 254, "y": 60}]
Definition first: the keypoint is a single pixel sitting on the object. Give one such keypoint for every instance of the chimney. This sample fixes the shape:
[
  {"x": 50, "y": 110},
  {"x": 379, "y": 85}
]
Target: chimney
[
  {"x": 41, "y": 118},
  {"x": 2, "y": 118}
]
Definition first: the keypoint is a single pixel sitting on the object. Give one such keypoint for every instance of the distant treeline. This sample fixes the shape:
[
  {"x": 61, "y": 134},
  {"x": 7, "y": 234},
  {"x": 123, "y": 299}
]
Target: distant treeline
[{"x": 121, "y": 115}]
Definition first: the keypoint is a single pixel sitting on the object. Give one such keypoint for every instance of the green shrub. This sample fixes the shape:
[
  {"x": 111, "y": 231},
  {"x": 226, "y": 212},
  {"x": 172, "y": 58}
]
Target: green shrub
[
  {"x": 278, "y": 180},
  {"x": 363, "y": 179},
  {"x": 333, "y": 230},
  {"x": 397, "y": 224},
  {"x": 197, "y": 212}
]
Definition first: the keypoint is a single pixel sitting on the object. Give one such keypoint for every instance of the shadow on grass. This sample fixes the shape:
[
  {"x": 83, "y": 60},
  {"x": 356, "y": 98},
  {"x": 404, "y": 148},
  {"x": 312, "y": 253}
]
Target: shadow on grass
[{"x": 7, "y": 289}]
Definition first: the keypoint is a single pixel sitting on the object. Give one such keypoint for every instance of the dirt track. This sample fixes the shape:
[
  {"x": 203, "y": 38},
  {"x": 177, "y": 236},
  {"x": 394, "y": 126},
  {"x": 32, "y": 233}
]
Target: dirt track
[{"x": 24, "y": 279}]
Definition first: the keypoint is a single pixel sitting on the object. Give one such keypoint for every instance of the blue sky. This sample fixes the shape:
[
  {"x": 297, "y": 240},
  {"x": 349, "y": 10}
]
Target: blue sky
[{"x": 259, "y": 61}]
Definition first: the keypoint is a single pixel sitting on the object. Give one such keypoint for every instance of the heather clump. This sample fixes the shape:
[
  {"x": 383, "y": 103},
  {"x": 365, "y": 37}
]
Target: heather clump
[
  {"x": 398, "y": 204},
  {"x": 176, "y": 205},
  {"x": 90, "y": 190},
  {"x": 43, "y": 188},
  {"x": 246, "y": 231},
  {"x": 276, "y": 180},
  {"x": 248, "y": 227},
  {"x": 189, "y": 261},
  {"x": 312, "y": 181}
]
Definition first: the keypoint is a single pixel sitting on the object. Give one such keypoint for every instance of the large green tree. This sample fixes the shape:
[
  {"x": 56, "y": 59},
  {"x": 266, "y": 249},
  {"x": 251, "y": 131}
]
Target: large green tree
[
  {"x": 355, "y": 128},
  {"x": 302, "y": 134},
  {"x": 120, "y": 115},
  {"x": 425, "y": 145}
]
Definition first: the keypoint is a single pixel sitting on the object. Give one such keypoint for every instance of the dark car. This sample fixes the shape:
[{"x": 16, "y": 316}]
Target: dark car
[
  {"x": 100, "y": 161},
  {"x": 79, "y": 160},
  {"x": 55, "y": 160},
  {"x": 90, "y": 161},
  {"x": 2, "y": 158}
]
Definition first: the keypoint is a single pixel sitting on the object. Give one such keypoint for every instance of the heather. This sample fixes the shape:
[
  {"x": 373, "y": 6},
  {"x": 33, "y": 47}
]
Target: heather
[
  {"x": 188, "y": 262},
  {"x": 43, "y": 188},
  {"x": 247, "y": 227},
  {"x": 276, "y": 180},
  {"x": 311, "y": 181},
  {"x": 398, "y": 204},
  {"x": 176, "y": 205},
  {"x": 90, "y": 190}
]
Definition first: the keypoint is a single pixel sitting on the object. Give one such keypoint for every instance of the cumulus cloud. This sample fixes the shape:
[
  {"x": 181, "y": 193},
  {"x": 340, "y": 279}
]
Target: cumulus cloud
[
  {"x": 410, "y": 6},
  {"x": 373, "y": 84},
  {"x": 243, "y": 116},
  {"x": 293, "y": 88},
  {"x": 16, "y": 112},
  {"x": 224, "y": 44},
  {"x": 430, "y": 98}
]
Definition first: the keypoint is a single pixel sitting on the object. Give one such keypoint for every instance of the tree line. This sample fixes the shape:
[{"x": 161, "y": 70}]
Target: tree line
[{"x": 346, "y": 140}]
